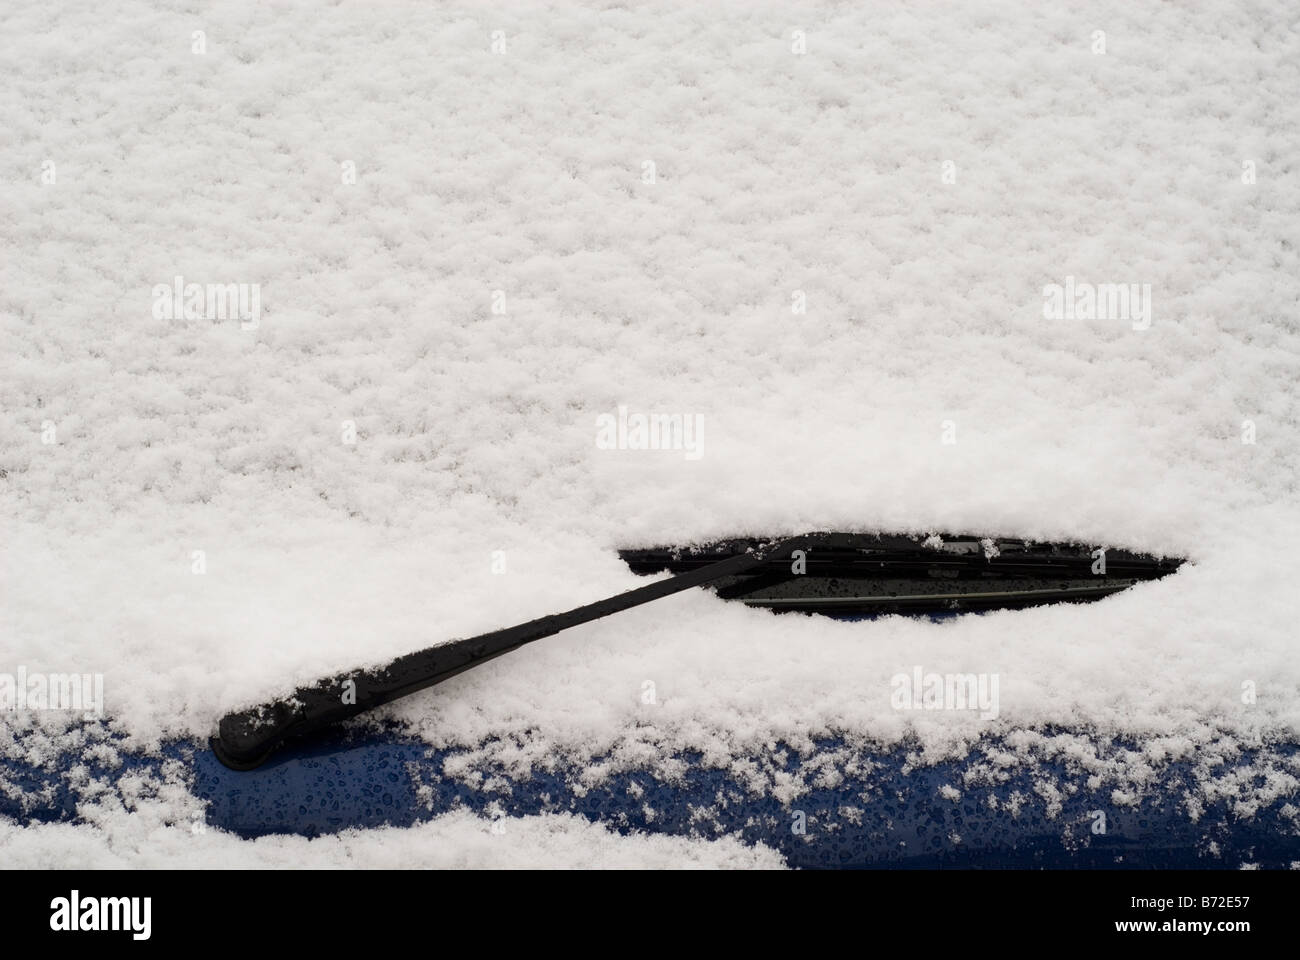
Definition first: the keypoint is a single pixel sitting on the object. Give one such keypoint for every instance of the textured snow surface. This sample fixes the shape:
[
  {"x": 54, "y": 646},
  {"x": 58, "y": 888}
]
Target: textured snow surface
[
  {"x": 456, "y": 840},
  {"x": 524, "y": 172}
]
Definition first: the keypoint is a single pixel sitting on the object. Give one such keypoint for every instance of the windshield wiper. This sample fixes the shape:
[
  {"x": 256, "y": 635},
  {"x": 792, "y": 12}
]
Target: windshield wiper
[{"x": 842, "y": 574}]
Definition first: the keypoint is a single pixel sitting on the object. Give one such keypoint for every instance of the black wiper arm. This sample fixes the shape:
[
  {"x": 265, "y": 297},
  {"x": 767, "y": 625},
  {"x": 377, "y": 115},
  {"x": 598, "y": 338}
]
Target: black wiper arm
[{"x": 247, "y": 738}]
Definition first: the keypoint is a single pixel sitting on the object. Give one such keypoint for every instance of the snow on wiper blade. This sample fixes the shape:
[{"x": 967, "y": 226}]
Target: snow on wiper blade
[{"x": 866, "y": 574}]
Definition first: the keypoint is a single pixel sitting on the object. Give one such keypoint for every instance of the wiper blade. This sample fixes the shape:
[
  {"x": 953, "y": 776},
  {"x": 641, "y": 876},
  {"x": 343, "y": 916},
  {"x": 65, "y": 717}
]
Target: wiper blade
[{"x": 849, "y": 574}]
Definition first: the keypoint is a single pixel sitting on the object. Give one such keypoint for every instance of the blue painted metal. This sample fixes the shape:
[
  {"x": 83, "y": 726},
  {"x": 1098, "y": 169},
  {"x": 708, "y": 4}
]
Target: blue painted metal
[{"x": 882, "y": 812}]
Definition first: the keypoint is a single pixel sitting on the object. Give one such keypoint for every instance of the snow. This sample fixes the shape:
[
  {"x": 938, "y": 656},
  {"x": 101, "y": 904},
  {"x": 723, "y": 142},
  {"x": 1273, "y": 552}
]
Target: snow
[
  {"x": 476, "y": 432},
  {"x": 456, "y": 840}
]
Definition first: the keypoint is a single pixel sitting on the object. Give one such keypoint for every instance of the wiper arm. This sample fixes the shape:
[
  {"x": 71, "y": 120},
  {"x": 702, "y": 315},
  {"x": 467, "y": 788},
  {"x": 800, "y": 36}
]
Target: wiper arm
[{"x": 247, "y": 738}]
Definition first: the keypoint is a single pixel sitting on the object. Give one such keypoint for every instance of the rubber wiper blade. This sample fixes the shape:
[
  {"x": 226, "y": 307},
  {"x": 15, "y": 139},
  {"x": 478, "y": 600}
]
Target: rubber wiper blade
[{"x": 851, "y": 574}]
